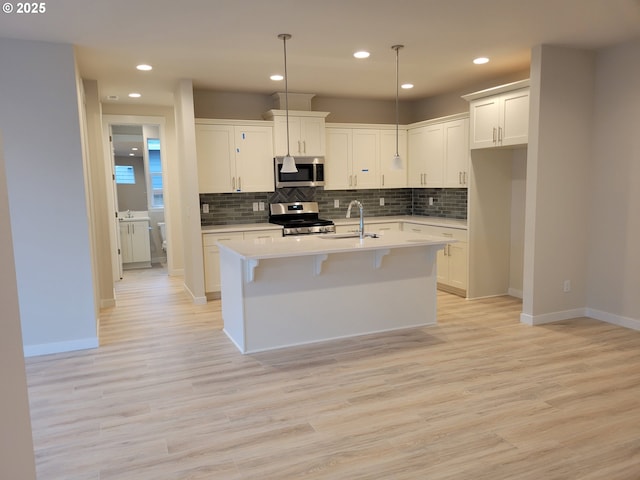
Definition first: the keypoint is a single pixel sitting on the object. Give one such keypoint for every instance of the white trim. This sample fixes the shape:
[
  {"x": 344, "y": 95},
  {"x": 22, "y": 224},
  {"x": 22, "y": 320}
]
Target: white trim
[
  {"x": 176, "y": 272},
  {"x": 60, "y": 347},
  {"x": 619, "y": 320},
  {"x": 552, "y": 317},
  {"x": 515, "y": 293},
  {"x": 196, "y": 300}
]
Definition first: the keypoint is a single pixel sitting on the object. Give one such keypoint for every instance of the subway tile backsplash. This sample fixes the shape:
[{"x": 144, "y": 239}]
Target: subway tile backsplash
[{"x": 235, "y": 208}]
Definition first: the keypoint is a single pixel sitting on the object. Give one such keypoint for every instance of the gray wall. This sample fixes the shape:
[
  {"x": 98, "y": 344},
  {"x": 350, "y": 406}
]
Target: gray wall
[
  {"x": 39, "y": 119},
  {"x": 133, "y": 196}
]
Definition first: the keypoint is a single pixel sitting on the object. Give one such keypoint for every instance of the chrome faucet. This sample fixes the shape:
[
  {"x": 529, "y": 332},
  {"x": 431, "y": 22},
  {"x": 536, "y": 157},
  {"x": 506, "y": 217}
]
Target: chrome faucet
[{"x": 359, "y": 205}]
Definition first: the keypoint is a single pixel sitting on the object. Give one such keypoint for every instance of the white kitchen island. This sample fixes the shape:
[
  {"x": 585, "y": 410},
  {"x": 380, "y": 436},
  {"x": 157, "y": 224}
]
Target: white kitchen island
[{"x": 287, "y": 291}]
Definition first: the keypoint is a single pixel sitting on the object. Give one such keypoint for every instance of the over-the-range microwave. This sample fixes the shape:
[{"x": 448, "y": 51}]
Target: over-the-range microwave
[{"x": 310, "y": 173}]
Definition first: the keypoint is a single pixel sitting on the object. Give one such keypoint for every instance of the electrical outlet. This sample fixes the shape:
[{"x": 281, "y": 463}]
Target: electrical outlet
[
  {"x": 261, "y": 206},
  {"x": 336, "y": 203},
  {"x": 382, "y": 201},
  {"x": 205, "y": 208},
  {"x": 430, "y": 201},
  {"x": 566, "y": 286},
  {"x": 255, "y": 206}
]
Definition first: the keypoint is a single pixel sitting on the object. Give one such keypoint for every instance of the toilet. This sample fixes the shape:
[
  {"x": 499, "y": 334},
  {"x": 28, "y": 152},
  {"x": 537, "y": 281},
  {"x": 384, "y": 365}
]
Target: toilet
[{"x": 163, "y": 235}]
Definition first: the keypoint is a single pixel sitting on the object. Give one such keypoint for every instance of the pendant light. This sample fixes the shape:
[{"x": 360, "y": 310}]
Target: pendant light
[
  {"x": 289, "y": 163},
  {"x": 396, "y": 162}
]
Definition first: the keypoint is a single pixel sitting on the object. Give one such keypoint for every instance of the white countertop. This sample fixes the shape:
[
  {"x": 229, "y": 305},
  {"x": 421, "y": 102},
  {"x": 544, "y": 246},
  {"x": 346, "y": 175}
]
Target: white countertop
[
  {"x": 296, "y": 246},
  {"x": 435, "y": 221}
]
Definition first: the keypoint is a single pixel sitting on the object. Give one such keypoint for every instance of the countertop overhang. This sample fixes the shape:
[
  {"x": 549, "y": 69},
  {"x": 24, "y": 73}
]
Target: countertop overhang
[{"x": 296, "y": 246}]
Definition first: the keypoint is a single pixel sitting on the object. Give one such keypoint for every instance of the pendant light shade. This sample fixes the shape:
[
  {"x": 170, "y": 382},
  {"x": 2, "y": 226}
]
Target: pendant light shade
[
  {"x": 289, "y": 163},
  {"x": 396, "y": 161}
]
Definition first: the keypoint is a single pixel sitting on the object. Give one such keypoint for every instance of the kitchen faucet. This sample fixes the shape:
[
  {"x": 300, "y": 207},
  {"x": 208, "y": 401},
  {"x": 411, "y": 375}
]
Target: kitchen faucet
[{"x": 359, "y": 205}]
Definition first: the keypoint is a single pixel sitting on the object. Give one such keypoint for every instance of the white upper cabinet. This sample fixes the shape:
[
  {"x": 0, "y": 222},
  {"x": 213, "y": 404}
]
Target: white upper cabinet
[
  {"x": 361, "y": 158},
  {"x": 499, "y": 117},
  {"x": 456, "y": 153},
  {"x": 439, "y": 154},
  {"x": 234, "y": 157},
  {"x": 306, "y": 132}
]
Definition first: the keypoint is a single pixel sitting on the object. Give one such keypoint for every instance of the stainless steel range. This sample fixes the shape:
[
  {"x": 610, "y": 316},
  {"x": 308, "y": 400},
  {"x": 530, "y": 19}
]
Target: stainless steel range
[{"x": 299, "y": 218}]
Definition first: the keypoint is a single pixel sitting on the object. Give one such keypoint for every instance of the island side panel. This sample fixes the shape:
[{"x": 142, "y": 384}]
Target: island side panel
[
  {"x": 289, "y": 304},
  {"x": 232, "y": 290}
]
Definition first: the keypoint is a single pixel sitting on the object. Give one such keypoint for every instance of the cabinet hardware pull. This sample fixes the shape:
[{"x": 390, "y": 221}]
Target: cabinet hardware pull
[
  {"x": 299, "y": 148},
  {"x": 239, "y": 183},
  {"x": 494, "y": 134},
  {"x": 465, "y": 178},
  {"x": 233, "y": 183},
  {"x": 383, "y": 179},
  {"x": 460, "y": 178},
  {"x": 447, "y": 234},
  {"x": 304, "y": 146}
]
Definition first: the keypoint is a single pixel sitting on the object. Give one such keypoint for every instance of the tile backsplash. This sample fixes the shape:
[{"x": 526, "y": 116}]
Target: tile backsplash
[{"x": 235, "y": 208}]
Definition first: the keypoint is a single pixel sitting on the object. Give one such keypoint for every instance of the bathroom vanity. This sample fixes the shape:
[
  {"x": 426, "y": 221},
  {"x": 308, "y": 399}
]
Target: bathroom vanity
[
  {"x": 135, "y": 247},
  {"x": 280, "y": 292}
]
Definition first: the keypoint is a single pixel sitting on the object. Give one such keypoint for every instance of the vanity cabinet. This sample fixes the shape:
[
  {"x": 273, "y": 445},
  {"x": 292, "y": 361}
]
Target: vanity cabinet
[
  {"x": 211, "y": 253},
  {"x": 499, "y": 117},
  {"x": 361, "y": 158},
  {"x": 306, "y": 132},
  {"x": 135, "y": 248},
  {"x": 234, "y": 157},
  {"x": 439, "y": 153}
]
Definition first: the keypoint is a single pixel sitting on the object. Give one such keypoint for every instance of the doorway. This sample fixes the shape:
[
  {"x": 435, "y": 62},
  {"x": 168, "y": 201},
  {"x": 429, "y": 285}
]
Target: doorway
[{"x": 137, "y": 194}]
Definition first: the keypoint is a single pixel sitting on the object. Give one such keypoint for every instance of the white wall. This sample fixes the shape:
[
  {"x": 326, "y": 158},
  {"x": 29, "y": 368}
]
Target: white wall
[
  {"x": 190, "y": 201},
  {"x": 49, "y": 218},
  {"x": 16, "y": 445},
  {"x": 557, "y": 210},
  {"x": 614, "y": 201}
]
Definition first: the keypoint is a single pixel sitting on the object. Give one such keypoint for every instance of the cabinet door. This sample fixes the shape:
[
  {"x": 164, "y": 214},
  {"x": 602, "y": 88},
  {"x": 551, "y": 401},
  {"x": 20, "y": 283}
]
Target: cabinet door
[
  {"x": 212, "y": 258},
  {"x": 484, "y": 118},
  {"x": 262, "y": 234},
  {"x": 365, "y": 158},
  {"x": 416, "y": 157},
  {"x": 280, "y": 136},
  {"x": 434, "y": 156},
  {"x": 312, "y": 136},
  {"x": 216, "y": 158},
  {"x": 456, "y": 157},
  {"x": 457, "y": 253},
  {"x": 254, "y": 159},
  {"x": 126, "y": 252},
  {"x": 390, "y": 176},
  {"x": 140, "y": 245},
  {"x": 338, "y": 161},
  {"x": 515, "y": 118}
]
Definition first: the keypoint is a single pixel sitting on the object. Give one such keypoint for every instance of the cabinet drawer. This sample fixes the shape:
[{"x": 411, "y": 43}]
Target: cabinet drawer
[
  {"x": 446, "y": 232},
  {"x": 210, "y": 239}
]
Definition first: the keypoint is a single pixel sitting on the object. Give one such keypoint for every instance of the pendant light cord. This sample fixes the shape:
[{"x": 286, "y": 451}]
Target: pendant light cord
[
  {"x": 397, "y": 49},
  {"x": 285, "y": 37}
]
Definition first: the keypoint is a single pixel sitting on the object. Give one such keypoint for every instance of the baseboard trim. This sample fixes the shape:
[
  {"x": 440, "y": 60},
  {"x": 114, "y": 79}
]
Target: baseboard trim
[
  {"x": 552, "y": 317},
  {"x": 197, "y": 300},
  {"x": 60, "y": 347},
  {"x": 621, "y": 321}
]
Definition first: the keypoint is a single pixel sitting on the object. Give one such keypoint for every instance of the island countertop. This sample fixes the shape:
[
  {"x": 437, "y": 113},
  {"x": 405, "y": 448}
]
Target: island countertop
[{"x": 296, "y": 246}]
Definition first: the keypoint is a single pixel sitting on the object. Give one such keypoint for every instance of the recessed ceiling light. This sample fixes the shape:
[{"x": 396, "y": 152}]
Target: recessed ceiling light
[
  {"x": 132, "y": 154},
  {"x": 144, "y": 67},
  {"x": 276, "y": 77},
  {"x": 135, "y": 95},
  {"x": 361, "y": 54},
  {"x": 406, "y": 86},
  {"x": 481, "y": 60},
  {"x": 134, "y": 148}
]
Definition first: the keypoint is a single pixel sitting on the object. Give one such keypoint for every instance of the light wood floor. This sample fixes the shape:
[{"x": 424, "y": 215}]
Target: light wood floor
[{"x": 479, "y": 396}]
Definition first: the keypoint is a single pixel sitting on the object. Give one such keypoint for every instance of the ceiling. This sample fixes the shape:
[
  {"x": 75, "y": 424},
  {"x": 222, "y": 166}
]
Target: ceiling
[{"x": 232, "y": 45}]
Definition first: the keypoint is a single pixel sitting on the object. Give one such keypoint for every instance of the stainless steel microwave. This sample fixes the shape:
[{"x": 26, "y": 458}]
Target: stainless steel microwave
[{"x": 310, "y": 173}]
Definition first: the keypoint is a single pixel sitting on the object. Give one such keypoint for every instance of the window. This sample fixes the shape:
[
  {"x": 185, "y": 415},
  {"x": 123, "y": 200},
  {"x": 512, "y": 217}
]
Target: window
[
  {"x": 155, "y": 173},
  {"x": 125, "y": 174}
]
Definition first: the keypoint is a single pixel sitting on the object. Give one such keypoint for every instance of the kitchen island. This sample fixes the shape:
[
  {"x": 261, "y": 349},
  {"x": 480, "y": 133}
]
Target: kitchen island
[{"x": 280, "y": 292}]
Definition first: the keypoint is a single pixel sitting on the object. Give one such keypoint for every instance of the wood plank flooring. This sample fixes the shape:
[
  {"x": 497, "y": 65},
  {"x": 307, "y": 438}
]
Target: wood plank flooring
[{"x": 478, "y": 396}]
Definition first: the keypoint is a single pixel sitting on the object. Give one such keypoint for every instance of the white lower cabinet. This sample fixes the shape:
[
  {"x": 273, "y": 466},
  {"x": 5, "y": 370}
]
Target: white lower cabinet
[
  {"x": 452, "y": 260},
  {"x": 378, "y": 228},
  {"x": 135, "y": 247},
  {"x": 211, "y": 253}
]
